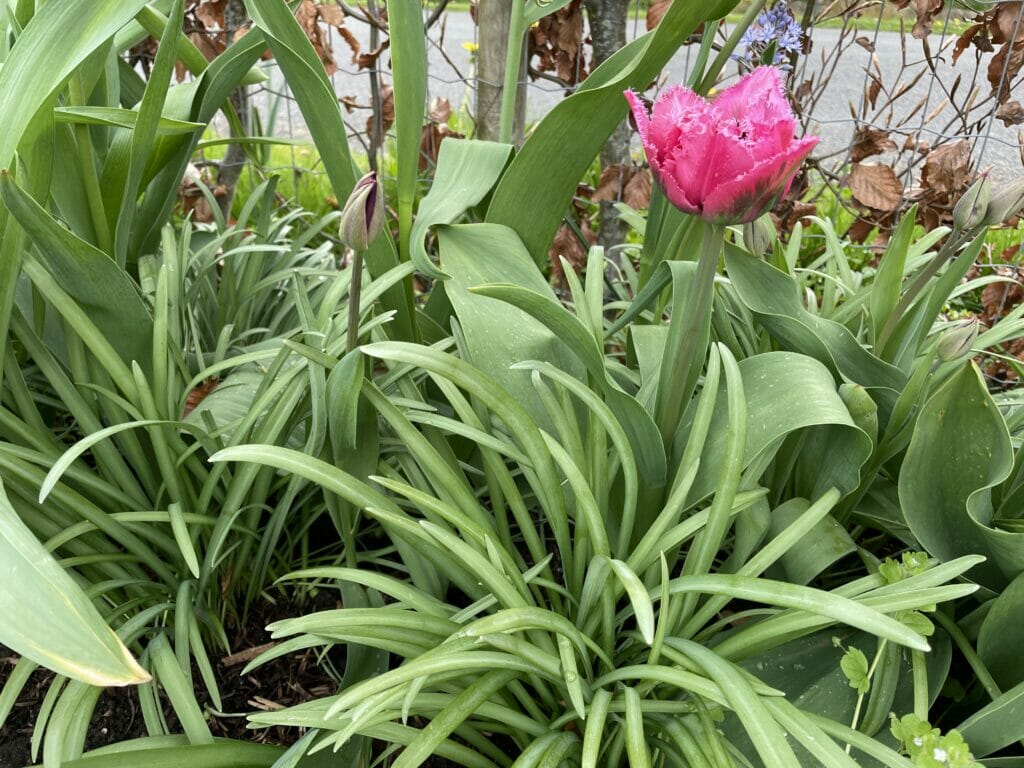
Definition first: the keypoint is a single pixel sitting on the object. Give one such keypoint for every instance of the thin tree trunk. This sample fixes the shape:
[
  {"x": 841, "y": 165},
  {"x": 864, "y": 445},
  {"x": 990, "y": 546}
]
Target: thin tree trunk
[
  {"x": 230, "y": 170},
  {"x": 608, "y": 20},
  {"x": 492, "y": 35}
]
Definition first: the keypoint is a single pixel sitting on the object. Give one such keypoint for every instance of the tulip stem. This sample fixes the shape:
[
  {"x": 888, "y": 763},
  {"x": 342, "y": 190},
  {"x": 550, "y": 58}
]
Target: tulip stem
[
  {"x": 688, "y": 339},
  {"x": 355, "y": 286}
]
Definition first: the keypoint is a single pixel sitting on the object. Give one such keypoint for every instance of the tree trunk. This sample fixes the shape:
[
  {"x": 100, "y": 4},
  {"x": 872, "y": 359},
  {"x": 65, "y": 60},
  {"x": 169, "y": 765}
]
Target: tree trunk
[
  {"x": 608, "y": 20},
  {"x": 230, "y": 170},
  {"x": 492, "y": 33}
]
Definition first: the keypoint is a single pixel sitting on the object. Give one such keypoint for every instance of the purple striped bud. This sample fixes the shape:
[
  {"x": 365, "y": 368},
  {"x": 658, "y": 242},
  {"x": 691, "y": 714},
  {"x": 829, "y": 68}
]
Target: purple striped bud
[{"x": 362, "y": 218}]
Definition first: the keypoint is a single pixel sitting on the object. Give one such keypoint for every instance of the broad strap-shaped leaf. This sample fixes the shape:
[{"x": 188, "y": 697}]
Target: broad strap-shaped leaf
[
  {"x": 117, "y": 117},
  {"x": 498, "y": 334},
  {"x": 466, "y": 172},
  {"x": 75, "y": 29},
  {"x": 996, "y": 726},
  {"x": 49, "y": 619},
  {"x": 1002, "y": 635},
  {"x": 787, "y": 392},
  {"x": 961, "y": 450},
  {"x": 409, "y": 76},
  {"x": 775, "y": 299},
  {"x": 88, "y": 275}
]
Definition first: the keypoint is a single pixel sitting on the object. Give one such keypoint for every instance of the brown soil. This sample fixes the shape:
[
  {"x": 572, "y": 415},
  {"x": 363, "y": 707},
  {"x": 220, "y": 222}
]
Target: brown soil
[{"x": 281, "y": 683}]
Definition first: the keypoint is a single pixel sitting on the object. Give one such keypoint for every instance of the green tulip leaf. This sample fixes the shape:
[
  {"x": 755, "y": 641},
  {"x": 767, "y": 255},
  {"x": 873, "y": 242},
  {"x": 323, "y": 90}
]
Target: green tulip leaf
[
  {"x": 996, "y": 726},
  {"x": 961, "y": 450},
  {"x": 47, "y": 617},
  {"x": 775, "y": 299},
  {"x": 466, "y": 172},
  {"x": 1002, "y": 636},
  {"x": 498, "y": 334},
  {"x": 787, "y": 392}
]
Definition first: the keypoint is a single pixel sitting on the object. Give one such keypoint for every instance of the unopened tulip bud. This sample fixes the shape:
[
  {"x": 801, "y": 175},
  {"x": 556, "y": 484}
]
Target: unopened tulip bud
[
  {"x": 759, "y": 235},
  {"x": 362, "y": 218},
  {"x": 1005, "y": 202},
  {"x": 970, "y": 210},
  {"x": 957, "y": 341}
]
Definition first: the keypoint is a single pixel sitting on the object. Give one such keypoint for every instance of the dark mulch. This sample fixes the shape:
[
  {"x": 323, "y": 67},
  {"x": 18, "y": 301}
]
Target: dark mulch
[{"x": 281, "y": 683}]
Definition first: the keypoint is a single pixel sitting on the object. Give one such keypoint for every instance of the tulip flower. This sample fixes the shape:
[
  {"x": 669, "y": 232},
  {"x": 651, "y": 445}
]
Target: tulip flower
[
  {"x": 728, "y": 160},
  {"x": 362, "y": 220}
]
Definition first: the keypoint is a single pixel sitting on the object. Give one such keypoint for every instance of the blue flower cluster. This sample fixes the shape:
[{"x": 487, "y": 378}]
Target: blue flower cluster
[{"x": 772, "y": 36}]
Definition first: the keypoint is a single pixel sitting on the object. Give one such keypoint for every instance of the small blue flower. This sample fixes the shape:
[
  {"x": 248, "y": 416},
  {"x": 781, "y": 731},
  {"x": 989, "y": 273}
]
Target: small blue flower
[{"x": 775, "y": 30}]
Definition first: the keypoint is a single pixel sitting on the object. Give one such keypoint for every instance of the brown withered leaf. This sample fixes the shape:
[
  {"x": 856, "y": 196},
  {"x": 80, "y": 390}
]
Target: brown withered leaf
[
  {"x": 964, "y": 41},
  {"x": 440, "y": 110},
  {"x": 308, "y": 16},
  {"x": 351, "y": 40},
  {"x": 875, "y": 186},
  {"x": 368, "y": 60},
  {"x": 868, "y": 142},
  {"x": 210, "y": 13},
  {"x": 209, "y": 45},
  {"x": 865, "y": 42},
  {"x": 332, "y": 14},
  {"x": 430, "y": 142},
  {"x": 655, "y": 11},
  {"x": 998, "y": 298},
  {"x": 873, "y": 89},
  {"x": 613, "y": 179},
  {"x": 567, "y": 245},
  {"x": 1004, "y": 68},
  {"x": 637, "y": 192},
  {"x": 1002, "y": 23},
  {"x": 387, "y": 108},
  {"x": 1011, "y": 113},
  {"x": 947, "y": 169},
  {"x": 926, "y": 11},
  {"x": 556, "y": 42},
  {"x": 804, "y": 91},
  {"x": 860, "y": 229},
  {"x": 197, "y": 395}
]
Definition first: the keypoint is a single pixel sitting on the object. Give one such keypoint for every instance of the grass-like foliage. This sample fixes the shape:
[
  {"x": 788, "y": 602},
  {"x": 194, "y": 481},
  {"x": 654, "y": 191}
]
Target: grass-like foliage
[{"x": 713, "y": 505}]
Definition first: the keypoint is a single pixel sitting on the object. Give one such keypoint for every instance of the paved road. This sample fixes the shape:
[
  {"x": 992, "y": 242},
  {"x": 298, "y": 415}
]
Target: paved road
[{"x": 451, "y": 76}]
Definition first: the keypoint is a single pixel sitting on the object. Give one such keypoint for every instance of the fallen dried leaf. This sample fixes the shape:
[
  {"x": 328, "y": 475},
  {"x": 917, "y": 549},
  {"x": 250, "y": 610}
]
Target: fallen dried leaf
[
  {"x": 868, "y": 142},
  {"x": 1011, "y": 113},
  {"x": 875, "y": 186},
  {"x": 637, "y": 192},
  {"x": 947, "y": 170},
  {"x": 655, "y": 11}
]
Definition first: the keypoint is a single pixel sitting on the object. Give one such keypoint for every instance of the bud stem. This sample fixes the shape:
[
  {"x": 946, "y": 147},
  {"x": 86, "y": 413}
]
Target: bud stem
[{"x": 354, "y": 290}]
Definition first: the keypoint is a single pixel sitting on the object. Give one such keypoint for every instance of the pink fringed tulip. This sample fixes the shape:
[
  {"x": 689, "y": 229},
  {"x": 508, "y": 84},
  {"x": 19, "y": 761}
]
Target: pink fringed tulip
[{"x": 728, "y": 160}]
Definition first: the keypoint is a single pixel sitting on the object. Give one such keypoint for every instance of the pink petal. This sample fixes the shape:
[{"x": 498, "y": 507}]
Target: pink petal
[
  {"x": 747, "y": 196},
  {"x": 760, "y": 89},
  {"x": 675, "y": 193},
  {"x": 679, "y": 105},
  {"x": 639, "y": 115}
]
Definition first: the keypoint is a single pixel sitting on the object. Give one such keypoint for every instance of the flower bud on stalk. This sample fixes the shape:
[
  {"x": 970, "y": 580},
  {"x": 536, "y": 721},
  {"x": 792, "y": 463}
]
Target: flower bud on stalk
[
  {"x": 1004, "y": 203},
  {"x": 759, "y": 235},
  {"x": 970, "y": 210},
  {"x": 362, "y": 218},
  {"x": 957, "y": 340}
]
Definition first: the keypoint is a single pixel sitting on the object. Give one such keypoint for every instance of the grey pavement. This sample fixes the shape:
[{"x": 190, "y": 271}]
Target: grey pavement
[{"x": 451, "y": 77}]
